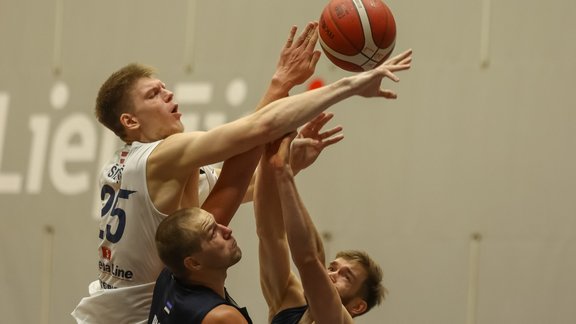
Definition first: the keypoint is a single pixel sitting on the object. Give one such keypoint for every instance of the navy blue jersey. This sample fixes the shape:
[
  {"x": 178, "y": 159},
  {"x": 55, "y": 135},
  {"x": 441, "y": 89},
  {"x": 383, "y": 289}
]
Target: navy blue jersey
[
  {"x": 289, "y": 315},
  {"x": 175, "y": 303}
]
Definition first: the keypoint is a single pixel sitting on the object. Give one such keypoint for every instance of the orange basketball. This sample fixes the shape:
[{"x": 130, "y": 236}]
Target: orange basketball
[{"x": 357, "y": 35}]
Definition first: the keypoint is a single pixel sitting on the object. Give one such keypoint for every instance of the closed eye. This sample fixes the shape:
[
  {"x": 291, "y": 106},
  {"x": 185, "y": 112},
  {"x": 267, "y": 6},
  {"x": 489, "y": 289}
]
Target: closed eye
[
  {"x": 348, "y": 275},
  {"x": 331, "y": 266},
  {"x": 152, "y": 93}
]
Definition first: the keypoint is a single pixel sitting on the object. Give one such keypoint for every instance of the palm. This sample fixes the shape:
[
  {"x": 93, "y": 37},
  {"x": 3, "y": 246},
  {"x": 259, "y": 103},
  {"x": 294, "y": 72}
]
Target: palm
[
  {"x": 305, "y": 152},
  {"x": 310, "y": 141}
]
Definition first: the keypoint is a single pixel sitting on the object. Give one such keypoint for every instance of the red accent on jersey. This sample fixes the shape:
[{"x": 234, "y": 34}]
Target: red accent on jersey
[{"x": 106, "y": 253}]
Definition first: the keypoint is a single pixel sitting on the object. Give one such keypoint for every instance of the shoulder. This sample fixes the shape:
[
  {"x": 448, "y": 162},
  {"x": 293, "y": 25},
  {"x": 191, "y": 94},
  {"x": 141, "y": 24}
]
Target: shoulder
[
  {"x": 139, "y": 152},
  {"x": 164, "y": 278},
  {"x": 166, "y": 150},
  {"x": 224, "y": 314},
  {"x": 136, "y": 146}
]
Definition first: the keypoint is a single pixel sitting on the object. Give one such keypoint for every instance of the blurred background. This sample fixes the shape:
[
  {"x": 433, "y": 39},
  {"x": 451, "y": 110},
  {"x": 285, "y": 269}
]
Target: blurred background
[{"x": 463, "y": 188}]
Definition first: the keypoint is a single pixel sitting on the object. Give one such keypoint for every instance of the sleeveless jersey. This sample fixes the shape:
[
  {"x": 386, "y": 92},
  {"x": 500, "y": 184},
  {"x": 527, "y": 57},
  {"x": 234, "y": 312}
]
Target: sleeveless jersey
[
  {"x": 175, "y": 303},
  {"x": 289, "y": 315},
  {"x": 128, "y": 262},
  {"x": 129, "y": 220}
]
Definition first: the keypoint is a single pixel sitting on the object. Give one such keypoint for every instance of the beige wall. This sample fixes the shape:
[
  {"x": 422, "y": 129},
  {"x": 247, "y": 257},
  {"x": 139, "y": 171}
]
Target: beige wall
[{"x": 466, "y": 148}]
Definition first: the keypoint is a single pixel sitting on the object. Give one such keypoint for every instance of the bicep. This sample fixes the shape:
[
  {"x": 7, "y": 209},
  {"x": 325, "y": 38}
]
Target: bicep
[{"x": 196, "y": 149}]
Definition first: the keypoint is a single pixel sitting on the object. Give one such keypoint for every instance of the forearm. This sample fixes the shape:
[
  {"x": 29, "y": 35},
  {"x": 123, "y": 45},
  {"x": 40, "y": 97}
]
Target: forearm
[
  {"x": 287, "y": 114},
  {"x": 230, "y": 189},
  {"x": 249, "y": 195},
  {"x": 303, "y": 238},
  {"x": 273, "y": 251},
  {"x": 267, "y": 124},
  {"x": 267, "y": 206}
]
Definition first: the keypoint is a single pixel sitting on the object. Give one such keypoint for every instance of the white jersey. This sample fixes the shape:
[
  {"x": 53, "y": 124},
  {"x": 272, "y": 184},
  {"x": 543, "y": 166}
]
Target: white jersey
[{"x": 128, "y": 262}]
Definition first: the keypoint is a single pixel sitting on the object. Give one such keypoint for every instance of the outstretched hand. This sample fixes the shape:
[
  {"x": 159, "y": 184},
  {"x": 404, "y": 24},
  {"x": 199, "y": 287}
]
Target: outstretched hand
[
  {"x": 298, "y": 57},
  {"x": 369, "y": 82},
  {"x": 400, "y": 59},
  {"x": 310, "y": 141}
]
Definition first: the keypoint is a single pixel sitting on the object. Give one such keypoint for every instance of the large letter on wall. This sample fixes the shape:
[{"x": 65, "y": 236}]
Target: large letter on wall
[
  {"x": 74, "y": 141},
  {"x": 9, "y": 182}
]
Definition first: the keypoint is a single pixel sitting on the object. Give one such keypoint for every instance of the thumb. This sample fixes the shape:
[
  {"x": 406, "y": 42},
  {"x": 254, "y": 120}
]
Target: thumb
[{"x": 307, "y": 141}]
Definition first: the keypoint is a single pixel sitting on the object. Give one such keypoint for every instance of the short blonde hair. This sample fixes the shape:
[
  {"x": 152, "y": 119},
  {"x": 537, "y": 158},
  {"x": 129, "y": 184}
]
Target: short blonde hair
[{"x": 114, "y": 96}]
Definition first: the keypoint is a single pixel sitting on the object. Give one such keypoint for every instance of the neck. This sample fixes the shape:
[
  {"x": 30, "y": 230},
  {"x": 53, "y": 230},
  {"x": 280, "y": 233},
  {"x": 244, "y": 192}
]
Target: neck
[{"x": 213, "y": 279}]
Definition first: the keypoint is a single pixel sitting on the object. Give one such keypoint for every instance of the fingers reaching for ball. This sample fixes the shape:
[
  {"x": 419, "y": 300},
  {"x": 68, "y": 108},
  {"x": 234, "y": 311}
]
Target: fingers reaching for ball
[
  {"x": 291, "y": 37},
  {"x": 309, "y": 35},
  {"x": 299, "y": 57},
  {"x": 401, "y": 59}
]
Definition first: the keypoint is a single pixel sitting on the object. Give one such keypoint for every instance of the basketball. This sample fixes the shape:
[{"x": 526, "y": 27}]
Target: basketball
[{"x": 357, "y": 35}]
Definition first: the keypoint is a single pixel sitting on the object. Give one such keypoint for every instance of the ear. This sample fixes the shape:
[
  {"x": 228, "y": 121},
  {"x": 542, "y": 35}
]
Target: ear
[
  {"x": 129, "y": 121},
  {"x": 191, "y": 264},
  {"x": 357, "y": 307}
]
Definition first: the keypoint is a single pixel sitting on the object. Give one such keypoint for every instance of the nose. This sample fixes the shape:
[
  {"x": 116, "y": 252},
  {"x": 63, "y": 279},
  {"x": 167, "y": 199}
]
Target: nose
[
  {"x": 226, "y": 231},
  {"x": 167, "y": 95},
  {"x": 332, "y": 276}
]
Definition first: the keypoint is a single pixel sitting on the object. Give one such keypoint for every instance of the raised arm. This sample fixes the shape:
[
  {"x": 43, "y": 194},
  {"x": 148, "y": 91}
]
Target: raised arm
[
  {"x": 276, "y": 119},
  {"x": 311, "y": 140},
  {"x": 280, "y": 287},
  {"x": 189, "y": 150},
  {"x": 306, "y": 247},
  {"x": 296, "y": 64}
]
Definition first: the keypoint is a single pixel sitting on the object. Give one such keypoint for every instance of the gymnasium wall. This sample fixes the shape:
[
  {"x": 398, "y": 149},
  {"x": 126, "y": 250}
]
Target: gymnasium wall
[{"x": 463, "y": 188}]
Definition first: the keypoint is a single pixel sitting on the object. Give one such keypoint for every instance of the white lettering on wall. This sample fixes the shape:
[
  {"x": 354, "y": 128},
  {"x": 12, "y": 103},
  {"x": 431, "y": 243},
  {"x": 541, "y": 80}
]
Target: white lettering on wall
[
  {"x": 39, "y": 126},
  {"x": 9, "y": 182},
  {"x": 74, "y": 141}
]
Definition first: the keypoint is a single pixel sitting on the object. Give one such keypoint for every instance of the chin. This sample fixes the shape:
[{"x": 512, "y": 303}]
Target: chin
[{"x": 237, "y": 257}]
